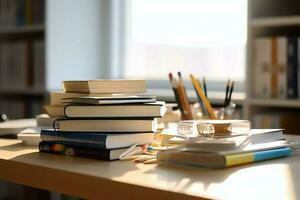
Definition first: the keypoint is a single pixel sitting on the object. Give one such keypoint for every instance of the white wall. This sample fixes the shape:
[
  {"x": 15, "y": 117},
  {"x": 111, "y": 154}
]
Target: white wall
[{"x": 76, "y": 39}]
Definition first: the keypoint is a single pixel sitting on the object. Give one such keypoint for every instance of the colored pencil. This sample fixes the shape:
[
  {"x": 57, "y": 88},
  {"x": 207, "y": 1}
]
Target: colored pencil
[
  {"x": 226, "y": 94},
  {"x": 230, "y": 93},
  {"x": 203, "y": 109},
  {"x": 203, "y": 97},
  {"x": 184, "y": 98},
  {"x": 175, "y": 90},
  {"x": 204, "y": 86}
]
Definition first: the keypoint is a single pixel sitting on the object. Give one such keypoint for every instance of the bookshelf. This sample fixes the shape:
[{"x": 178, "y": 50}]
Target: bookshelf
[
  {"x": 22, "y": 57},
  {"x": 270, "y": 18}
]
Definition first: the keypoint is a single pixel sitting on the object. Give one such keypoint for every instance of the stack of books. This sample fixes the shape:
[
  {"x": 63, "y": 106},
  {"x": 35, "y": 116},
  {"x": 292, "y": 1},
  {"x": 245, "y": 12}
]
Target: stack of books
[
  {"x": 261, "y": 144},
  {"x": 103, "y": 120}
]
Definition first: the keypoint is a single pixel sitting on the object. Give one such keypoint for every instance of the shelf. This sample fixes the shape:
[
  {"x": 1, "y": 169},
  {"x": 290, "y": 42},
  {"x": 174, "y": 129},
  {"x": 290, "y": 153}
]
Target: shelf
[
  {"x": 283, "y": 103},
  {"x": 275, "y": 21},
  {"x": 22, "y": 29}
]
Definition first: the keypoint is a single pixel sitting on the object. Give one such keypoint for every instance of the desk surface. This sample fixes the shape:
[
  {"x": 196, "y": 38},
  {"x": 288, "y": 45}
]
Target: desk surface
[{"x": 276, "y": 179}]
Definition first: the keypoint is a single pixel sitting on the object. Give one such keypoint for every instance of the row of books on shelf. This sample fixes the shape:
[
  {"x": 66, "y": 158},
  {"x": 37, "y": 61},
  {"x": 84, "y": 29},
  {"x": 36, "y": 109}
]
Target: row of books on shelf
[
  {"x": 21, "y": 12},
  {"x": 286, "y": 120},
  {"x": 22, "y": 64},
  {"x": 276, "y": 63},
  {"x": 100, "y": 119},
  {"x": 18, "y": 108}
]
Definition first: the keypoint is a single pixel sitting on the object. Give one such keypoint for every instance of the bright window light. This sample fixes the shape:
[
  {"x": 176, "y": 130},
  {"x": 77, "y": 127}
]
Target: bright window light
[{"x": 203, "y": 37}]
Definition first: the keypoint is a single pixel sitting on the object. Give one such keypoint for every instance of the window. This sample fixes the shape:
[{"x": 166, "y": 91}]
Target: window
[{"x": 203, "y": 37}]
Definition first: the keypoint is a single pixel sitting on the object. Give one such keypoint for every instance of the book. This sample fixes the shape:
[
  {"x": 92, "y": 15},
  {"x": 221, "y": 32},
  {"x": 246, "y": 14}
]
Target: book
[
  {"x": 96, "y": 140},
  {"x": 57, "y": 97},
  {"x": 109, "y": 125},
  {"x": 105, "y": 86},
  {"x": 221, "y": 160},
  {"x": 86, "y": 152},
  {"x": 54, "y": 110},
  {"x": 265, "y": 135},
  {"x": 44, "y": 120},
  {"x": 282, "y": 67},
  {"x": 263, "y": 67},
  {"x": 292, "y": 68},
  {"x": 111, "y": 100},
  {"x": 274, "y": 66},
  {"x": 157, "y": 109}
]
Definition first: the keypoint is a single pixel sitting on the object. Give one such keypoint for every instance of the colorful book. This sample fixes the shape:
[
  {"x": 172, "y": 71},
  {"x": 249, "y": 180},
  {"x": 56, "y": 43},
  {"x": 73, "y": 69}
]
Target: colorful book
[
  {"x": 219, "y": 160},
  {"x": 157, "y": 109},
  {"x": 292, "y": 68},
  {"x": 106, "y": 86},
  {"x": 109, "y": 125},
  {"x": 96, "y": 140},
  {"x": 86, "y": 152}
]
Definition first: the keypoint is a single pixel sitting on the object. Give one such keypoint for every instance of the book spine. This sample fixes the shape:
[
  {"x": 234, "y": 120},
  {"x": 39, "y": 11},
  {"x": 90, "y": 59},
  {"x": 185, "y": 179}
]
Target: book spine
[
  {"x": 89, "y": 139},
  {"x": 292, "y": 68},
  {"x": 243, "y": 158},
  {"x": 274, "y": 66},
  {"x": 282, "y": 67},
  {"x": 69, "y": 150}
]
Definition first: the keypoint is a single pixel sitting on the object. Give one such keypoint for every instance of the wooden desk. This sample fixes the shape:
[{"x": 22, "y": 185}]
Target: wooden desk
[{"x": 276, "y": 179}]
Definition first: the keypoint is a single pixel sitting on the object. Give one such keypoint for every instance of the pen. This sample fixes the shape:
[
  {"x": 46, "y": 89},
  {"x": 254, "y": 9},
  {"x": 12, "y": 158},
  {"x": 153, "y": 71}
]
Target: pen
[
  {"x": 226, "y": 94},
  {"x": 230, "y": 93},
  {"x": 204, "y": 86}
]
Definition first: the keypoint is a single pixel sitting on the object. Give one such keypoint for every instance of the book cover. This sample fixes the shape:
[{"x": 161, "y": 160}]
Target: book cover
[
  {"x": 96, "y": 140},
  {"x": 85, "y": 152},
  {"x": 282, "y": 67}
]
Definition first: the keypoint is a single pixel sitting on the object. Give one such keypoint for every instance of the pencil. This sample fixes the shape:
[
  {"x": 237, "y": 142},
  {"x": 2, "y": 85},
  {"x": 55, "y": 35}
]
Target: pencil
[
  {"x": 175, "y": 90},
  {"x": 203, "y": 97},
  {"x": 204, "y": 111},
  {"x": 230, "y": 93},
  {"x": 183, "y": 96},
  {"x": 226, "y": 94},
  {"x": 204, "y": 86}
]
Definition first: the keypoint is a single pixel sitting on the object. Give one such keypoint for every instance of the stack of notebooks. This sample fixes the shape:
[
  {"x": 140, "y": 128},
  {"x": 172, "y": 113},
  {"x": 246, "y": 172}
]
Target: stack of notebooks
[
  {"x": 103, "y": 120},
  {"x": 261, "y": 144}
]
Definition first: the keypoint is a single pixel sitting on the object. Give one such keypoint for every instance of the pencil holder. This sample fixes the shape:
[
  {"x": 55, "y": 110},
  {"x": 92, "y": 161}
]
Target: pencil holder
[{"x": 221, "y": 112}]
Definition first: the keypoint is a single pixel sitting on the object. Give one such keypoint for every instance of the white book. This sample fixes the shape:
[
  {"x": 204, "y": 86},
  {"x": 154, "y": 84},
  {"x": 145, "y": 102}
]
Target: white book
[
  {"x": 282, "y": 67},
  {"x": 263, "y": 67}
]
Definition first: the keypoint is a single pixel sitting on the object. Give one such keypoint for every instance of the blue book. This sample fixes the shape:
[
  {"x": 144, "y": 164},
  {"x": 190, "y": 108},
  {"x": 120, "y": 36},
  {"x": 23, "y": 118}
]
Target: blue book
[
  {"x": 78, "y": 151},
  {"x": 96, "y": 140},
  {"x": 292, "y": 68}
]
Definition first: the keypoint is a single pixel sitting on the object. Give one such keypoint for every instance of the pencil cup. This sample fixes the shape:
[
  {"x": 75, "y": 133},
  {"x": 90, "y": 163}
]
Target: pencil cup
[{"x": 221, "y": 112}]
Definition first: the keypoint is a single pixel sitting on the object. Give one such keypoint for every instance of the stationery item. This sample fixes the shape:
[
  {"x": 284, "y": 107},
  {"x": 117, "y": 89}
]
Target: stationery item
[
  {"x": 204, "y": 86},
  {"x": 108, "y": 125},
  {"x": 13, "y": 127},
  {"x": 111, "y": 100},
  {"x": 204, "y": 99},
  {"x": 176, "y": 94},
  {"x": 184, "y": 98},
  {"x": 265, "y": 135},
  {"x": 54, "y": 110},
  {"x": 226, "y": 93},
  {"x": 203, "y": 109},
  {"x": 133, "y": 150},
  {"x": 144, "y": 158},
  {"x": 105, "y": 86},
  {"x": 57, "y": 96},
  {"x": 151, "y": 161},
  {"x": 230, "y": 93},
  {"x": 96, "y": 140},
  {"x": 156, "y": 109},
  {"x": 221, "y": 160},
  {"x": 86, "y": 152}
]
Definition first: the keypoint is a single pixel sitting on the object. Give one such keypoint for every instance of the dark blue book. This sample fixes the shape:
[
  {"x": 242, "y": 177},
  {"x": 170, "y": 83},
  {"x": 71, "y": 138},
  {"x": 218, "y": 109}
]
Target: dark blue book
[
  {"x": 292, "y": 68},
  {"x": 86, "y": 152},
  {"x": 96, "y": 140}
]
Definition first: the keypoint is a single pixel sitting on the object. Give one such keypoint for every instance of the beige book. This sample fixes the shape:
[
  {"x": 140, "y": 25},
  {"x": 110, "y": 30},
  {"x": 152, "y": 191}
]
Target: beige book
[
  {"x": 105, "y": 86},
  {"x": 54, "y": 110},
  {"x": 57, "y": 96}
]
